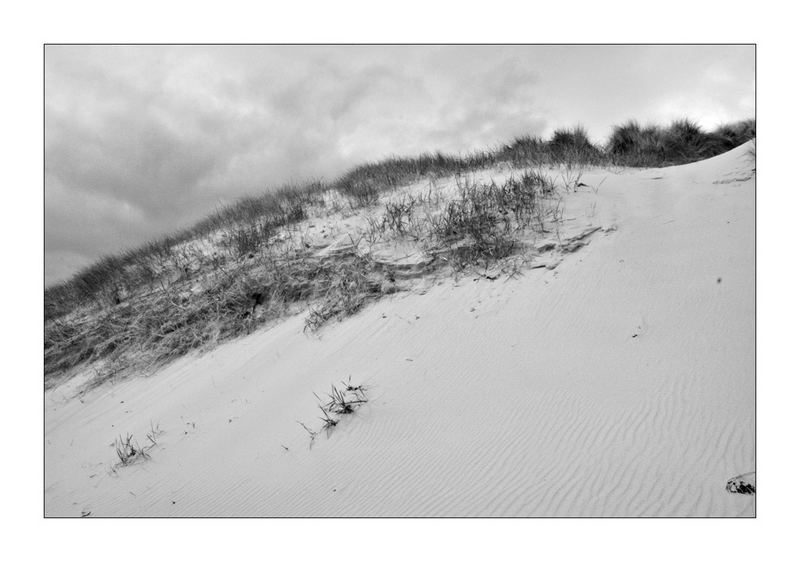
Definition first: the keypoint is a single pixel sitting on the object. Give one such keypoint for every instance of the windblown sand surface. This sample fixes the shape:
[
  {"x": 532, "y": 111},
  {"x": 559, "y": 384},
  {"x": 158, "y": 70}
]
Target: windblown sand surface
[{"x": 618, "y": 381}]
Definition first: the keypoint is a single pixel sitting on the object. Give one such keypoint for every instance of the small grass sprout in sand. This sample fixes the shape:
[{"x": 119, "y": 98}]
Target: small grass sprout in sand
[
  {"x": 130, "y": 452},
  {"x": 340, "y": 402},
  {"x": 154, "y": 434}
]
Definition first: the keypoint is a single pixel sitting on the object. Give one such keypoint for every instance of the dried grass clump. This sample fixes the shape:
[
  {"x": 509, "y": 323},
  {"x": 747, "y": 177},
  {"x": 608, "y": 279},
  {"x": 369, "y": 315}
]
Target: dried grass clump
[
  {"x": 128, "y": 451},
  {"x": 681, "y": 142},
  {"x": 152, "y": 329},
  {"x": 480, "y": 226},
  {"x": 341, "y": 402},
  {"x": 572, "y": 146},
  {"x": 364, "y": 184},
  {"x": 344, "y": 286}
]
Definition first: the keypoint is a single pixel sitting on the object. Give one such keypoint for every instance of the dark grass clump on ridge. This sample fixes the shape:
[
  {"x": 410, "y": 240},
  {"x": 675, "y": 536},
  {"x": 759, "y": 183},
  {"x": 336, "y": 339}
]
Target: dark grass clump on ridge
[{"x": 681, "y": 142}]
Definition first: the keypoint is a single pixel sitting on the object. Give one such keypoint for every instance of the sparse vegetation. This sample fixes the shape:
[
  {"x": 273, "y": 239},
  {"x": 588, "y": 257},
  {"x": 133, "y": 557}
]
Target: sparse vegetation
[
  {"x": 477, "y": 226},
  {"x": 345, "y": 401},
  {"x": 245, "y": 265},
  {"x": 154, "y": 434},
  {"x": 341, "y": 402},
  {"x": 346, "y": 284},
  {"x": 480, "y": 225},
  {"x": 128, "y": 450}
]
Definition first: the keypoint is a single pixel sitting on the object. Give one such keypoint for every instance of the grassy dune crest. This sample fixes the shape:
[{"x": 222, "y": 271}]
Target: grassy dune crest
[{"x": 247, "y": 264}]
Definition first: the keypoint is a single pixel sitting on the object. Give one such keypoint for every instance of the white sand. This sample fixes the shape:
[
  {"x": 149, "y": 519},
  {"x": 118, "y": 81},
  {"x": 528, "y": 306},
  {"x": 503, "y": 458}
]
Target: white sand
[{"x": 521, "y": 397}]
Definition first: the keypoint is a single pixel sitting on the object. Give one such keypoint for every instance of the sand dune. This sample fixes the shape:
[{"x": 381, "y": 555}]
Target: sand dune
[{"x": 618, "y": 380}]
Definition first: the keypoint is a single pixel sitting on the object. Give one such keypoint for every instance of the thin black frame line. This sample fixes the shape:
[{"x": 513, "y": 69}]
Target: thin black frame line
[{"x": 733, "y": 44}]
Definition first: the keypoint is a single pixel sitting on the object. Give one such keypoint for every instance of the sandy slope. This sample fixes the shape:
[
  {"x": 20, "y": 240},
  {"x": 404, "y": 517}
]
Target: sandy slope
[{"x": 620, "y": 383}]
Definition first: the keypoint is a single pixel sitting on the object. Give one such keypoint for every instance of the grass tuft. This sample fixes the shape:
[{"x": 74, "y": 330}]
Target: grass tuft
[
  {"x": 681, "y": 142},
  {"x": 341, "y": 402},
  {"x": 128, "y": 451}
]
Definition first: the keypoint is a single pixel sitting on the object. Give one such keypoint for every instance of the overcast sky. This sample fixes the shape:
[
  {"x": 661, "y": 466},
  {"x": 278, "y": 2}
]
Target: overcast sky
[{"x": 141, "y": 141}]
